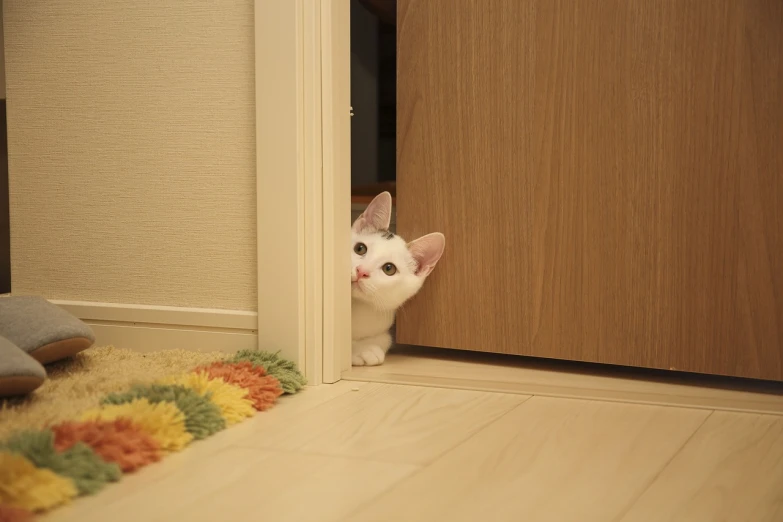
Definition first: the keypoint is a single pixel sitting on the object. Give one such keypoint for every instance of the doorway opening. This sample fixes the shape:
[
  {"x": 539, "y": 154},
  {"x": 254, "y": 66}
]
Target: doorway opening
[
  {"x": 374, "y": 102},
  {"x": 5, "y": 220},
  {"x": 5, "y": 224}
]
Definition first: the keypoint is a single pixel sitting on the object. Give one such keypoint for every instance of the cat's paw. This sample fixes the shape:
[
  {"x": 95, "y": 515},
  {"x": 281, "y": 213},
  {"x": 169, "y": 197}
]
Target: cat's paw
[{"x": 369, "y": 356}]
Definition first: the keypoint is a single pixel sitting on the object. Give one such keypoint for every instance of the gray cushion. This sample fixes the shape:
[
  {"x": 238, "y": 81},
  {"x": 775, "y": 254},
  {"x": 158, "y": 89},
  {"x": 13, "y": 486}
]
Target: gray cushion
[{"x": 35, "y": 325}]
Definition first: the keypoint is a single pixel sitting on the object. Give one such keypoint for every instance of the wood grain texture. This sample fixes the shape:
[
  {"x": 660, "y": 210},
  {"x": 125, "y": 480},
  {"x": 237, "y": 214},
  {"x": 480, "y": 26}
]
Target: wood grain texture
[
  {"x": 191, "y": 480},
  {"x": 608, "y": 174},
  {"x": 250, "y": 484},
  {"x": 548, "y": 460},
  {"x": 296, "y": 487},
  {"x": 390, "y": 423},
  {"x": 732, "y": 469}
]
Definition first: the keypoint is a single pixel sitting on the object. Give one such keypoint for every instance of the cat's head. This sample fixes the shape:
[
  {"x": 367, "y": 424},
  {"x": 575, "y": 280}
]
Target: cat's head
[{"x": 386, "y": 271}]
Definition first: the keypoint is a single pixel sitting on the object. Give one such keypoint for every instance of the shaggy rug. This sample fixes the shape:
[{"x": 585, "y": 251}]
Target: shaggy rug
[{"x": 110, "y": 411}]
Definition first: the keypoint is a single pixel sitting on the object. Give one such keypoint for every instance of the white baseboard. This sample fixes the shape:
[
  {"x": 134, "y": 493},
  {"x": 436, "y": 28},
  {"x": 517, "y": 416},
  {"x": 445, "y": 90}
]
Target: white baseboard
[{"x": 146, "y": 328}]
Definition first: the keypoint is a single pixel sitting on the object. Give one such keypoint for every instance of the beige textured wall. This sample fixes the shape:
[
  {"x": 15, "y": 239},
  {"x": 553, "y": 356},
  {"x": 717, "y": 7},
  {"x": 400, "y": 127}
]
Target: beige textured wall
[{"x": 132, "y": 150}]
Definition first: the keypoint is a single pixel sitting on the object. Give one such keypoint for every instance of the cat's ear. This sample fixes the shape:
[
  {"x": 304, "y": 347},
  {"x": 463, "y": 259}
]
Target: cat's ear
[
  {"x": 376, "y": 216},
  {"x": 427, "y": 251}
]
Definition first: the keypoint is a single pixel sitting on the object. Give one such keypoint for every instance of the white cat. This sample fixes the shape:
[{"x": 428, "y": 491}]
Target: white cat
[{"x": 385, "y": 273}]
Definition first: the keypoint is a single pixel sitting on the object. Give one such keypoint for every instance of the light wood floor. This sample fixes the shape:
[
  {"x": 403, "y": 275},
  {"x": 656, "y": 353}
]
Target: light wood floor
[{"x": 361, "y": 452}]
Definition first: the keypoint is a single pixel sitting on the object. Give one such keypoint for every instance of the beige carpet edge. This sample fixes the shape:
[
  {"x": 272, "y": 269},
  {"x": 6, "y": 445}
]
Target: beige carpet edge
[{"x": 77, "y": 384}]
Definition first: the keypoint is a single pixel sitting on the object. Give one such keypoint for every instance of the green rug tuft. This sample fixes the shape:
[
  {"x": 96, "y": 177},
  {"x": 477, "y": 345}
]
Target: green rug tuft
[
  {"x": 291, "y": 379},
  {"x": 79, "y": 463},
  {"x": 202, "y": 416}
]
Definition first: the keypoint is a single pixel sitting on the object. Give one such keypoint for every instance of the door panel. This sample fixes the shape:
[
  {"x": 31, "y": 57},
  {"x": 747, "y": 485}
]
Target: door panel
[{"x": 608, "y": 174}]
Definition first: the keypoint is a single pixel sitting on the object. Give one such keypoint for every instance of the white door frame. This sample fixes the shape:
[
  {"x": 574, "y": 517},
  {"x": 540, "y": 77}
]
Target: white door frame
[{"x": 303, "y": 182}]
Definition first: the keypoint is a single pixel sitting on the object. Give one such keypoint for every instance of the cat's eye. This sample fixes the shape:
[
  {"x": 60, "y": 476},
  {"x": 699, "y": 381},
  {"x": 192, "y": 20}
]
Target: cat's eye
[
  {"x": 389, "y": 269},
  {"x": 360, "y": 248}
]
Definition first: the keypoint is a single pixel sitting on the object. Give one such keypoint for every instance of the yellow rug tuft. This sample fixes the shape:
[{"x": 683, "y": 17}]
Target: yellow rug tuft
[{"x": 108, "y": 412}]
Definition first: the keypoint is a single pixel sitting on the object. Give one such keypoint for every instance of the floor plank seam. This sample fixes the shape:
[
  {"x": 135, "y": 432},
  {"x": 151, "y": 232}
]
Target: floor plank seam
[
  {"x": 475, "y": 433},
  {"x": 423, "y": 467},
  {"x": 300, "y": 451},
  {"x": 324, "y": 454},
  {"x": 632, "y": 502},
  {"x": 366, "y": 503}
]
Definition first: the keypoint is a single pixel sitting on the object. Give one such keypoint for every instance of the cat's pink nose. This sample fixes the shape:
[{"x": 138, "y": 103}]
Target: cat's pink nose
[{"x": 361, "y": 273}]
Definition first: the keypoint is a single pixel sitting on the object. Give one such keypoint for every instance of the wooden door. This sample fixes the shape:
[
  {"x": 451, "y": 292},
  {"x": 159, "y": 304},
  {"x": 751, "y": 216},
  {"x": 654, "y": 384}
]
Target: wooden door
[{"x": 608, "y": 175}]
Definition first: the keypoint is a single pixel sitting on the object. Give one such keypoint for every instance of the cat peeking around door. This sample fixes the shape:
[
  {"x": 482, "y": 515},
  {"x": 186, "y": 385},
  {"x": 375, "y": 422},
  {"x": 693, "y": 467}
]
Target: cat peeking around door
[{"x": 385, "y": 272}]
